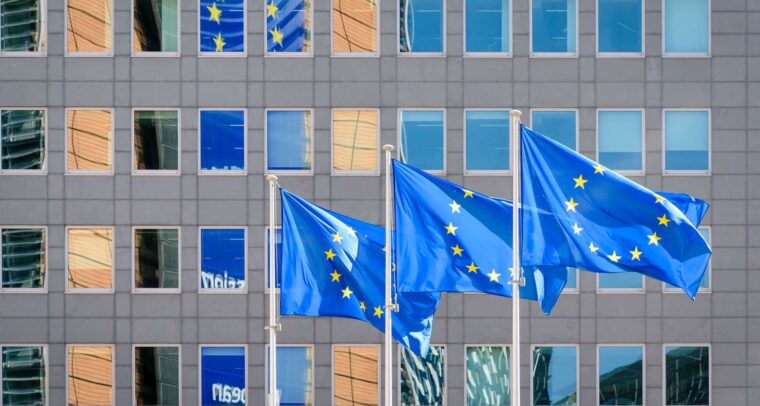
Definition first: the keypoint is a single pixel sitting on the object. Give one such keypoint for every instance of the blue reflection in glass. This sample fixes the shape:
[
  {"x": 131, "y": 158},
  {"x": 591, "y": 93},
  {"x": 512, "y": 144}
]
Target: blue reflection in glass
[
  {"x": 487, "y": 25},
  {"x": 294, "y": 375},
  {"x": 421, "y": 25},
  {"x": 619, "y": 26},
  {"x": 622, "y": 280},
  {"x": 487, "y": 140},
  {"x": 288, "y": 140},
  {"x": 572, "y": 279},
  {"x": 559, "y": 125},
  {"x": 278, "y": 255},
  {"x": 687, "y": 375},
  {"x": 423, "y": 379},
  {"x": 686, "y": 140},
  {"x": 555, "y": 376},
  {"x": 687, "y": 26},
  {"x": 619, "y": 140},
  {"x": 488, "y": 376},
  {"x": 223, "y": 258},
  {"x": 621, "y": 375},
  {"x": 222, "y": 140},
  {"x": 223, "y": 376},
  {"x": 422, "y": 135},
  {"x": 553, "y": 26}
]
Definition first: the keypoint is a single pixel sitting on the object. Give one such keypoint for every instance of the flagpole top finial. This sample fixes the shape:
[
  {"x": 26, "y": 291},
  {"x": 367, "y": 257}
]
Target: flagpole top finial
[
  {"x": 271, "y": 178},
  {"x": 515, "y": 113},
  {"x": 388, "y": 147}
]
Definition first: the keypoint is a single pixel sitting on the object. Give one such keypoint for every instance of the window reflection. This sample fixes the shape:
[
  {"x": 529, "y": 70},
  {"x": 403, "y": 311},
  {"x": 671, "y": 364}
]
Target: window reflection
[
  {"x": 295, "y": 375},
  {"x": 288, "y": 25},
  {"x": 687, "y": 141},
  {"x": 559, "y": 125},
  {"x": 22, "y": 26},
  {"x": 223, "y": 258},
  {"x": 355, "y": 140},
  {"x": 423, "y": 380},
  {"x": 88, "y": 26},
  {"x": 620, "y": 26},
  {"x": 621, "y": 375},
  {"x": 553, "y": 26},
  {"x": 620, "y": 140},
  {"x": 156, "y": 259},
  {"x": 687, "y": 27},
  {"x": 23, "y": 258},
  {"x": 89, "y": 136},
  {"x": 157, "y": 376},
  {"x": 155, "y": 25},
  {"x": 355, "y": 375},
  {"x": 90, "y": 258},
  {"x": 90, "y": 376},
  {"x": 289, "y": 135},
  {"x": 487, "y": 140},
  {"x": 622, "y": 280},
  {"x": 156, "y": 140},
  {"x": 223, "y": 377},
  {"x": 222, "y": 135},
  {"x": 354, "y": 26},
  {"x": 422, "y": 139},
  {"x": 22, "y": 139},
  {"x": 23, "y": 375},
  {"x": 554, "y": 376},
  {"x": 488, "y": 376},
  {"x": 687, "y": 375},
  {"x": 487, "y": 26},
  {"x": 421, "y": 26}
]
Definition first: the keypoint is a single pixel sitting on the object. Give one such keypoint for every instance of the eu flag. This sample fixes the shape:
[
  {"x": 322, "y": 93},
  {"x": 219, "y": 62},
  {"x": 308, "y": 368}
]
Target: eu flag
[
  {"x": 333, "y": 265},
  {"x": 222, "y": 26},
  {"x": 288, "y": 25},
  {"x": 603, "y": 222},
  {"x": 450, "y": 239}
]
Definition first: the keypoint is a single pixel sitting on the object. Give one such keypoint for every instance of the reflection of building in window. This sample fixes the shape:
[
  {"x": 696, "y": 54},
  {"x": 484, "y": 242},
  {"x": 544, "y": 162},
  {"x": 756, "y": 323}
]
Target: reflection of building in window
[
  {"x": 421, "y": 25},
  {"x": 157, "y": 375},
  {"x": 90, "y": 375},
  {"x": 88, "y": 24},
  {"x": 90, "y": 258},
  {"x": 156, "y": 140},
  {"x": 687, "y": 375},
  {"x": 21, "y": 22},
  {"x": 621, "y": 375},
  {"x": 288, "y": 140},
  {"x": 355, "y": 376},
  {"x": 23, "y": 375},
  {"x": 23, "y": 264},
  {"x": 89, "y": 135},
  {"x": 295, "y": 375},
  {"x": 354, "y": 26},
  {"x": 554, "y": 374},
  {"x": 156, "y": 258},
  {"x": 22, "y": 139},
  {"x": 155, "y": 25},
  {"x": 422, "y": 380},
  {"x": 488, "y": 375},
  {"x": 355, "y": 140}
]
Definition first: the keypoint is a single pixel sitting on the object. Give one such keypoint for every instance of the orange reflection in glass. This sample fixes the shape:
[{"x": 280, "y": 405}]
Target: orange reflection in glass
[
  {"x": 355, "y": 375},
  {"x": 90, "y": 376},
  {"x": 88, "y": 26},
  {"x": 90, "y": 258},
  {"x": 89, "y": 136},
  {"x": 354, "y": 26},
  {"x": 355, "y": 140}
]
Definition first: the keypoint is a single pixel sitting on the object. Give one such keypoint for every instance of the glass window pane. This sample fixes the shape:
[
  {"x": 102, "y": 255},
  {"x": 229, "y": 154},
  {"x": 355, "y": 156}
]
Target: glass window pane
[
  {"x": 423, "y": 380},
  {"x": 572, "y": 279},
  {"x": 422, "y": 139},
  {"x": 421, "y": 25},
  {"x": 553, "y": 26},
  {"x": 621, "y": 375},
  {"x": 155, "y": 25},
  {"x": 488, "y": 376},
  {"x": 687, "y": 375},
  {"x": 90, "y": 375},
  {"x": 223, "y": 380},
  {"x": 23, "y": 375},
  {"x": 622, "y": 280},
  {"x": 90, "y": 258},
  {"x": 22, "y": 138},
  {"x": 277, "y": 253},
  {"x": 687, "y": 139},
  {"x": 156, "y": 258},
  {"x": 619, "y": 140},
  {"x": 355, "y": 141},
  {"x": 687, "y": 26},
  {"x": 223, "y": 258},
  {"x": 294, "y": 375},
  {"x": 487, "y": 138},
  {"x": 156, "y": 140},
  {"x": 555, "y": 376},
  {"x": 222, "y": 140},
  {"x": 487, "y": 25},
  {"x": 354, "y": 25},
  {"x": 157, "y": 376},
  {"x": 88, "y": 26},
  {"x": 222, "y": 25},
  {"x": 289, "y": 140},
  {"x": 24, "y": 256},
  {"x": 561, "y": 126},
  {"x": 22, "y": 27},
  {"x": 620, "y": 26},
  {"x": 355, "y": 375},
  {"x": 288, "y": 25},
  {"x": 89, "y": 136}
]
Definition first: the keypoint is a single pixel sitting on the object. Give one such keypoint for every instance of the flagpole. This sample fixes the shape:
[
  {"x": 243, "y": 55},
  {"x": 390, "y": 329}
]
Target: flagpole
[
  {"x": 517, "y": 279},
  {"x": 389, "y": 307},
  {"x": 273, "y": 326}
]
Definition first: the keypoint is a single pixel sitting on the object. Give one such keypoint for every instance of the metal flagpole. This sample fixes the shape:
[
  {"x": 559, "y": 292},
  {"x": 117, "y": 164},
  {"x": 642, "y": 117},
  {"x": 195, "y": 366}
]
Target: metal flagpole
[
  {"x": 273, "y": 326},
  {"x": 389, "y": 306},
  {"x": 517, "y": 279}
]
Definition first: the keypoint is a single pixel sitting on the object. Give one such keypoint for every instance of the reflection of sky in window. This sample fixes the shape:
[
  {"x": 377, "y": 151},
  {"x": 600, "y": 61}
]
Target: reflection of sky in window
[
  {"x": 294, "y": 375},
  {"x": 288, "y": 140},
  {"x": 686, "y": 140},
  {"x": 619, "y": 26},
  {"x": 421, "y": 27},
  {"x": 562, "y": 371},
  {"x": 487, "y": 140},
  {"x": 553, "y": 25},
  {"x": 611, "y": 358},
  {"x": 487, "y": 25},
  {"x": 620, "y": 140},
  {"x": 557, "y": 125},
  {"x": 622, "y": 280},
  {"x": 687, "y": 26},
  {"x": 422, "y": 139}
]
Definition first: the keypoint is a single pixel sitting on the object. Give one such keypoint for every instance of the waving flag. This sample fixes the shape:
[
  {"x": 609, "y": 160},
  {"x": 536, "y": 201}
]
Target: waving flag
[
  {"x": 288, "y": 25},
  {"x": 222, "y": 26}
]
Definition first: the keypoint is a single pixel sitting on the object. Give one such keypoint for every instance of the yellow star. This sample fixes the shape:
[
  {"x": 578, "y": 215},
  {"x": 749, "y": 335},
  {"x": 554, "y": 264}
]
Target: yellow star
[
  {"x": 457, "y": 250},
  {"x": 593, "y": 248},
  {"x": 330, "y": 254},
  {"x": 635, "y": 254},
  {"x": 219, "y": 41},
  {"x": 378, "y": 312},
  {"x": 577, "y": 230},
  {"x": 276, "y": 36},
  {"x": 272, "y": 10},
  {"x": 215, "y": 13},
  {"x": 337, "y": 238},
  {"x": 351, "y": 231},
  {"x": 571, "y": 205},
  {"x": 598, "y": 169},
  {"x": 467, "y": 193},
  {"x": 659, "y": 199},
  {"x": 347, "y": 293},
  {"x": 335, "y": 276},
  {"x": 450, "y": 229},
  {"x": 614, "y": 257},
  {"x": 579, "y": 181},
  {"x": 653, "y": 239},
  {"x": 362, "y": 306},
  {"x": 493, "y": 276},
  {"x": 664, "y": 220},
  {"x": 472, "y": 268},
  {"x": 454, "y": 207}
]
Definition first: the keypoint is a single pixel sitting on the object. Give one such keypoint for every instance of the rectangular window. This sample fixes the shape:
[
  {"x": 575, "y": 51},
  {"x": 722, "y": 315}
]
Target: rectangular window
[
  {"x": 222, "y": 142},
  {"x": 222, "y": 27},
  {"x": 22, "y": 27},
  {"x": 553, "y": 27},
  {"x": 686, "y": 135},
  {"x": 620, "y": 140},
  {"x": 554, "y": 375},
  {"x": 704, "y": 283},
  {"x": 157, "y": 375},
  {"x": 223, "y": 261},
  {"x": 423, "y": 139},
  {"x": 623, "y": 281},
  {"x": 356, "y": 375},
  {"x": 421, "y": 27},
  {"x": 620, "y": 375},
  {"x": 89, "y": 259},
  {"x": 90, "y": 375},
  {"x": 223, "y": 375},
  {"x": 354, "y": 27},
  {"x": 24, "y": 259},
  {"x": 572, "y": 280},
  {"x": 488, "y": 375},
  {"x": 23, "y": 146},
  {"x": 295, "y": 375},
  {"x": 487, "y": 27},
  {"x": 24, "y": 375},
  {"x": 619, "y": 27},
  {"x": 687, "y": 375},
  {"x": 156, "y": 141},
  {"x": 277, "y": 253},
  {"x": 89, "y": 141},
  {"x": 355, "y": 142},
  {"x": 686, "y": 27},
  {"x": 156, "y": 260},
  {"x": 89, "y": 27},
  {"x": 289, "y": 29},
  {"x": 155, "y": 27},
  {"x": 423, "y": 379},
  {"x": 559, "y": 125},
  {"x": 289, "y": 141},
  {"x": 486, "y": 134}
]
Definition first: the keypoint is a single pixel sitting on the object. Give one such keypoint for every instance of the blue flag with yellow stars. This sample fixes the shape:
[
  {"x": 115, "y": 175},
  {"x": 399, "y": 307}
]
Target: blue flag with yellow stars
[
  {"x": 222, "y": 26},
  {"x": 602, "y": 221},
  {"x": 450, "y": 239},
  {"x": 334, "y": 266},
  {"x": 288, "y": 25}
]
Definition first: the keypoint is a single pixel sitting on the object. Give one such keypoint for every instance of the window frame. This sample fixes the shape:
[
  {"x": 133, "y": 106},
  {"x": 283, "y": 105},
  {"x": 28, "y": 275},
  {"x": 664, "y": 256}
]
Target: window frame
[
  {"x": 179, "y": 367},
  {"x": 575, "y": 110},
  {"x": 708, "y": 289},
  {"x": 577, "y": 369},
  {"x": 217, "y": 172},
  {"x": 626, "y": 173},
  {"x": 296, "y": 172},
  {"x": 43, "y": 38},
  {"x": 482, "y": 172},
  {"x": 643, "y": 369},
  {"x": 88, "y": 172},
  {"x": 202, "y": 345},
  {"x": 313, "y": 368},
  {"x": 226, "y": 291},
  {"x": 464, "y": 365},
  {"x": 481, "y": 55},
  {"x": 267, "y": 288},
  {"x": 444, "y": 389},
  {"x": 156, "y": 172},
  {"x": 332, "y": 368},
  {"x": 564, "y": 55},
  {"x": 333, "y": 171},
  {"x": 113, "y": 367},
  {"x": 161, "y": 54},
  {"x": 307, "y": 54},
  {"x": 335, "y": 54},
  {"x": 86, "y": 54},
  {"x": 151, "y": 291},
  {"x": 45, "y": 360},
  {"x": 625, "y": 55},
  {"x": 399, "y": 122},
  {"x": 44, "y": 288},
  {"x": 89, "y": 291},
  {"x": 45, "y": 161},
  {"x": 229, "y": 54},
  {"x": 671, "y": 172},
  {"x": 664, "y": 370},
  {"x": 441, "y": 54},
  {"x": 707, "y": 54}
]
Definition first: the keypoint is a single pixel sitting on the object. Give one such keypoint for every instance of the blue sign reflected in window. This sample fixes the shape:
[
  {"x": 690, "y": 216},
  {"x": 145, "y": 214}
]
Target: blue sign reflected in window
[
  {"x": 223, "y": 376},
  {"x": 553, "y": 25},
  {"x": 222, "y": 140},
  {"x": 559, "y": 125},
  {"x": 289, "y": 140},
  {"x": 223, "y": 258},
  {"x": 421, "y": 25},
  {"x": 619, "y": 26},
  {"x": 620, "y": 140},
  {"x": 487, "y": 25},
  {"x": 422, "y": 139},
  {"x": 294, "y": 375},
  {"x": 487, "y": 140}
]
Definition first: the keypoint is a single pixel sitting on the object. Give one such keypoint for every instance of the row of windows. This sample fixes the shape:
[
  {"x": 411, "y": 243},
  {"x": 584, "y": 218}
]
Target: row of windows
[
  {"x": 354, "y": 26},
  {"x": 223, "y": 375},
  {"x": 156, "y": 267},
  {"x": 222, "y": 141}
]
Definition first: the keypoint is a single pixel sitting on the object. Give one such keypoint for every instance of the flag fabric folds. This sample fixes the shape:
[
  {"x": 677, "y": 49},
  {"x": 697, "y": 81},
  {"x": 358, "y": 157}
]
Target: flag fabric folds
[
  {"x": 288, "y": 25},
  {"x": 694, "y": 209},
  {"x": 602, "y": 222},
  {"x": 222, "y": 26}
]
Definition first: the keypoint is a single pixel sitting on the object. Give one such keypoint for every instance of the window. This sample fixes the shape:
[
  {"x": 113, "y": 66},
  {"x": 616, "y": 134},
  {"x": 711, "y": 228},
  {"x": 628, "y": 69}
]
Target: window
[
  {"x": 554, "y": 375},
  {"x": 289, "y": 27},
  {"x": 22, "y": 141},
  {"x": 687, "y": 141},
  {"x": 89, "y": 29},
  {"x": 423, "y": 139},
  {"x": 686, "y": 27},
  {"x": 156, "y": 141},
  {"x": 223, "y": 375},
  {"x": 559, "y": 125},
  {"x": 156, "y": 260},
  {"x": 622, "y": 281},
  {"x": 553, "y": 27},
  {"x": 289, "y": 141},
  {"x": 24, "y": 259},
  {"x": 356, "y": 373},
  {"x": 704, "y": 283},
  {"x": 24, "y": 379},
  {"x": 486, "y": 141},
  {"x": 90, "y": 375},
  {"x": 89, "y": 259},
  {"x": 421, "y": 27},
  {"x": 155, "y": 27},
  {"x": 223, "y": 261},
  {"x": 572, "y": 280},
  {"x": 222, "y": 27},
  {"x": 619, "y": 27},
  {"x": 488, "y": 375},
  {"x": 222, "y": 141},
  {"x": 620, "y": 140},
  {"x": 687, "y": 375},
  {"x": 22, "y": 27},
  {"x": 354, "y": 27},
  {"x": 423, "y": 380},
  {"x": 157, "y": 375},
  {"x": 487, "y": 27},
  {"x": 355, "y": 142},
  {"x": 278, "y": 253},
  {"x": 295, "y": 375},
  {"x": 620, "y": 374},
  {"x": 89, "y": 141}
]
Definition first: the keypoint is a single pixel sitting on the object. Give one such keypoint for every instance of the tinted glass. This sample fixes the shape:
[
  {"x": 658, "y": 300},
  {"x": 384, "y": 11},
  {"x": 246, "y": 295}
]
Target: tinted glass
[
  {"x": 422, "y": 140},
  {"x": 222, "y": 140},
  {"x": 555, "y": 376},
  {"x": 488, "y": 376},
  {"x": 277, "y": 253},
  {"x": 90, "y": 376},
  {"x": 23, "y": 258},
  {"x": 687, "y": 375},
  {"x": 687, "y": 139},
  {"x": 561, "y": 126},
  {"x": 289, "y": 140},
  {"x": 355, "y": 376},
  {"x": 553, "y": 26},
  {"x": 487, "y": 134},
  {"x": 88, "y": 26},
  {"x": 487, "y": 25},
  {"x": 288, "y": 25},
  {"x": 22, "y": 139},
  {"x": 223, "y": 258},
  {"x": 619, "y": 25},
  {"x": 687, "y": 26},
  {"x": 89, "y": 140},
  {"x": 90, "y": 258},
  {"x": 23, "y": 375},
  {"x": 222, "y": 25},
  {"x": 156, "y": 140},
  {"x": 572, "y": 279},
  {"x": 156, "y": 258},
  {"x": 423, "y": 380},
  {"x": 157, "y": 376},
  {"x": 623, "y": 280},
  {"x": 155, "y": 25},
  {"x": 294, "y": 375},
  {"x": 354, "y": 25},
  {"x": 223, "y": 376},
  {"x": 21, "y": 26},
  {"x": 421, "y": 25},
  {"x": 619, "y": 140},
  {"x": 355, "y": 140},
  {"x": 621, "y": 375}
]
